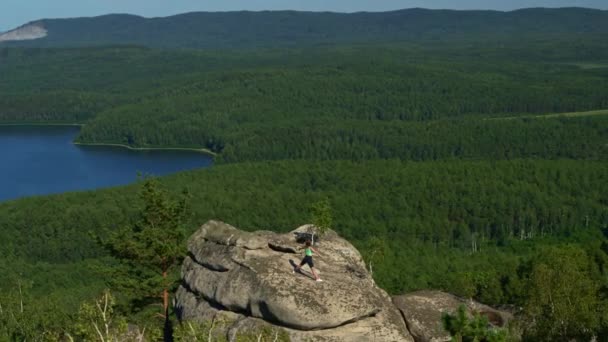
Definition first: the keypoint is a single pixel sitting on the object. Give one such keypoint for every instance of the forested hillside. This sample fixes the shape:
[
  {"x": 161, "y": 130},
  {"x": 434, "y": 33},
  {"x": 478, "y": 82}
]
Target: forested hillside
[
  {"x": 465, "y": 227},
  {"x": 335, "y": 103},
  {"x": 291, "y": 28}
]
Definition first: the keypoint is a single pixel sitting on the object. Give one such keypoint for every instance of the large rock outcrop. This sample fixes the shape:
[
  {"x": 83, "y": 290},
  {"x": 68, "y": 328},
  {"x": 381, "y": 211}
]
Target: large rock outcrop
[
  {"x": 422, "y": 312},
  {"x": 247, "y": 279}
]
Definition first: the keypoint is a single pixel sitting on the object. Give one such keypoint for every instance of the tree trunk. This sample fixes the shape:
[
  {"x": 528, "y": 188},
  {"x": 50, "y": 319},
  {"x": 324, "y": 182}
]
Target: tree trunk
[
  {"x": 168, "y": 327},
  {"x": 165, "y": 295}
]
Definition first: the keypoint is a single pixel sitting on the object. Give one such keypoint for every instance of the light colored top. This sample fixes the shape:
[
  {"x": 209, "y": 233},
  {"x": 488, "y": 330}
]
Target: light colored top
[{"x": 308, "y": 251}]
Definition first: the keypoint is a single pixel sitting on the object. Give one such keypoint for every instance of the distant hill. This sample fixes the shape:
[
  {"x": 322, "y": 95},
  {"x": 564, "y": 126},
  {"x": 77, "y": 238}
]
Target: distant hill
[{"x": 291, "y": 28}]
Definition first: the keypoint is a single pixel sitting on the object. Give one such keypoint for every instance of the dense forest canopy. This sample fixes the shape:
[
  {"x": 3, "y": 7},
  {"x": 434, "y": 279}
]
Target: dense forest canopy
[
  {"x": 473, "y": 163},
  {"x": 443, "y": 202},
  {"x": 464, "y": 227},
  {"x": 359, "y": 102}
]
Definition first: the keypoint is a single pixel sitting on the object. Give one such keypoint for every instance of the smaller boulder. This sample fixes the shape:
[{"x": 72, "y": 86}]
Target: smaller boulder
[{"x": 422, "y": 313}]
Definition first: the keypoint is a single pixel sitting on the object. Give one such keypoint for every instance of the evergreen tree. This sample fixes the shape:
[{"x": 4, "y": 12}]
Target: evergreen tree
[{"x": 150, "y": 248}]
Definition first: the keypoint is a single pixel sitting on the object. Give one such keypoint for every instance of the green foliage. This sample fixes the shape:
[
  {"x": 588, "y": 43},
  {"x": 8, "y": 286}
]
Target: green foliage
[
  {"x": 321, "y": 216},
  {"x": 475, "y": 329},
  {"x": 563, "y": 299},
  {"x": 151, "y": 247},
  {"x": 377, "y": 249},
  {"x": 24, "y": 317},
  {"x": 214, "y": 331},
  {"x": 98, "y": 321},
  {"x": 428, "y": 214},
  {"x": 346, "y": 102},
  {"x": 365, "y": 112},
  {"x": 484, "y": 285}
]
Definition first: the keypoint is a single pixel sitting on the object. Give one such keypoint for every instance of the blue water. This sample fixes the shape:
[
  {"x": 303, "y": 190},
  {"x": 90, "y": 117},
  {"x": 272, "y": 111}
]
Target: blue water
[{"x": 42, "y": 160}]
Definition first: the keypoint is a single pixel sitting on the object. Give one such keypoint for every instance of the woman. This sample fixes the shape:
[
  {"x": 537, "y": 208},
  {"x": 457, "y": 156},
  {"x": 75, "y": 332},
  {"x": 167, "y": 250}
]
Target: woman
[{"x": 308, "y": 260}]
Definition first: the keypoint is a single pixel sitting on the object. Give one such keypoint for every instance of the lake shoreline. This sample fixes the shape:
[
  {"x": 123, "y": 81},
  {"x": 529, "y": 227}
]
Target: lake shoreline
[
  {"x": 190, "y": 149},
  {"x": 45, "y": 160},
  {"x": 41, "y": 124}
]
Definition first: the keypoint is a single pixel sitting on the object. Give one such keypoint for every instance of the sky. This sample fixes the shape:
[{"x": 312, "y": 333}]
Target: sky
[{"x": 14, "y": 13}]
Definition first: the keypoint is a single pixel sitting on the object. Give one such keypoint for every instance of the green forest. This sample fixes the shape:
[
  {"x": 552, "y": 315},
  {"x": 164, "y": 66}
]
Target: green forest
[
  {"x": 477, "y": 169},
  {"x": 473, "y": 228},
  {"x": 355, "y": 103}
]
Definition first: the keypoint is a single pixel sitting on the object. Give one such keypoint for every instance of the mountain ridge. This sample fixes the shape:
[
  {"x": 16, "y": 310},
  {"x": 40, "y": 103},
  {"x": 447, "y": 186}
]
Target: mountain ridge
[{"x": 252, "y": 29}]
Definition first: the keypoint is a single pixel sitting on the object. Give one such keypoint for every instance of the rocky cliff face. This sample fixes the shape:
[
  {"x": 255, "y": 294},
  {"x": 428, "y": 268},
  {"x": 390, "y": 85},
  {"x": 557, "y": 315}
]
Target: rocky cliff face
[
  {"x": 246, "y": 279},
  {"x": 25, "y": 32}
]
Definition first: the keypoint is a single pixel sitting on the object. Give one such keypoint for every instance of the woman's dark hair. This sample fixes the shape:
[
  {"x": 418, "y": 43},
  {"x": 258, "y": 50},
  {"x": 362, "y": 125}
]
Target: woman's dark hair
[{"x": 308, "y": 243}]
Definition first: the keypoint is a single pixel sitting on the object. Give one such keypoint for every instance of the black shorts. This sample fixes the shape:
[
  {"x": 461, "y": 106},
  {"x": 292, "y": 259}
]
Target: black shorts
[{"x": 307, "y": 260}]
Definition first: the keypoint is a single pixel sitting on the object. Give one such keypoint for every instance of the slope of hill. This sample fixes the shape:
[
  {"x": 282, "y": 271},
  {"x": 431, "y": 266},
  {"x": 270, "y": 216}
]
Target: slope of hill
[
  {"x": 361, "y": 102},
  {"x": 26, "y": 32},
  {"x": 291, "y": 28}
]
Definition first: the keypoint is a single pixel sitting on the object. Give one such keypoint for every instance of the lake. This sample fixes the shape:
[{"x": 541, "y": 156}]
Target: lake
[{"x": 40, "y": 160}]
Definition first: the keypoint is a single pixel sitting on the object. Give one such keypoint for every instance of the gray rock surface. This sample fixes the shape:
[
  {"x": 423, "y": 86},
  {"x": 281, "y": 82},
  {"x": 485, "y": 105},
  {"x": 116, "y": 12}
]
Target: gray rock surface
[
  {"x": 25, "y": 32},
  {"x": 246, "y": 279},
  {"x": 422, "y": 312}
]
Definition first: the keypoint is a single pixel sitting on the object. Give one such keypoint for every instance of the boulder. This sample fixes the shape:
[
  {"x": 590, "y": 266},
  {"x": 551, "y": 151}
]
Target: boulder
[
  {"x": 422, "y": 313},
  {"x": 247, "y": 279}
]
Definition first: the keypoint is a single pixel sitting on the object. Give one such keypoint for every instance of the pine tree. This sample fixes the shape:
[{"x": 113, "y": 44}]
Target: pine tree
[{"x": 150, "y": 248}]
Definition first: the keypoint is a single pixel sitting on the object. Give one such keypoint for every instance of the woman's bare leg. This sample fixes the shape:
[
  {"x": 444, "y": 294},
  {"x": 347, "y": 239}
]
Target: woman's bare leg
[{"x": 314, "y": 273}]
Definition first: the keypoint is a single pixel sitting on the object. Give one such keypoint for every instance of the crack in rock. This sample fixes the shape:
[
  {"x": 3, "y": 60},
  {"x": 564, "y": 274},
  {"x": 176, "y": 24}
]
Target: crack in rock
[
  {"x": 211, "y": 267},
  {"x": 268, "y": 317},
  {"x": 283, "y": 249}
]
